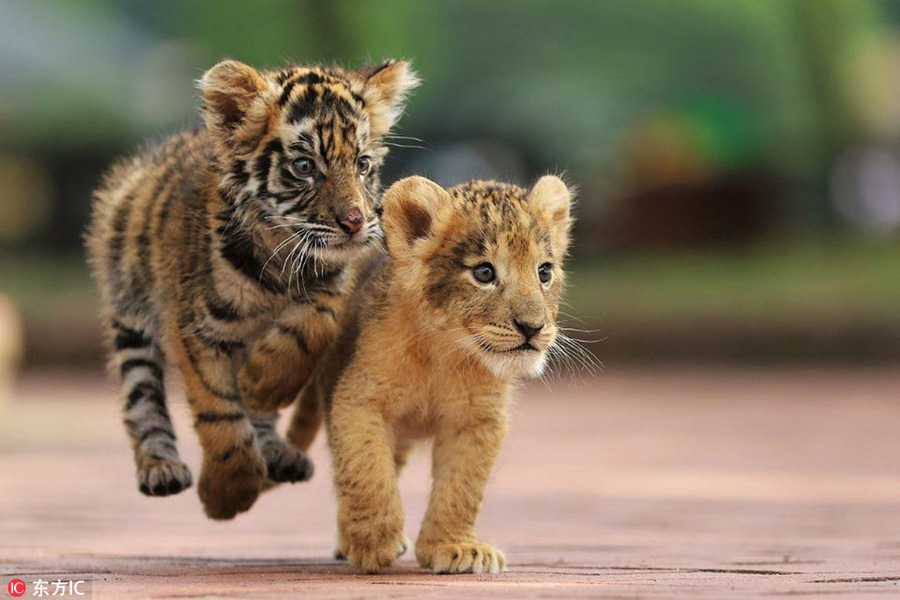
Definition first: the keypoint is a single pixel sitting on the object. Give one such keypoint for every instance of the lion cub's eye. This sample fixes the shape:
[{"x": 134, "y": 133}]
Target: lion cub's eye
[
  {"x": 545, "y": 272},
  {"x": 304, "y": 166},
  {"x": 364, "y": 165},
  {"x": 484, "y": 273}
]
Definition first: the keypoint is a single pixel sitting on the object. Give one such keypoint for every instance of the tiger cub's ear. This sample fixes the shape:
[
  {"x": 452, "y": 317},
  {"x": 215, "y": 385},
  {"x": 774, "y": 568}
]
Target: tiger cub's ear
[
  {"x": 553, "y": 200},
  {"x": 412, "y": 207},
  {"x": 235, "y": 105},
  {"x": 385, "y": 90}
]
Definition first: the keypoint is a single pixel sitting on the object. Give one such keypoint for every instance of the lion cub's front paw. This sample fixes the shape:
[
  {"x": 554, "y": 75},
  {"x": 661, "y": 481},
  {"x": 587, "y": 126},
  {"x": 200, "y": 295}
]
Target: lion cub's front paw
[
  {"x": 405, "y": 545},
  {"x": 462, "y": 557},
  {"x": 372, "y": 555}
]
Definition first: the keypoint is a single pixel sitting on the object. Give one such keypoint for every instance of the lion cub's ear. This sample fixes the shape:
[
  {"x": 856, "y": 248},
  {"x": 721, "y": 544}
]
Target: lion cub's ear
[
  {"x": 553, "y": 199},
  {"x": 411, "y": 208},
  {"x": 233, "y": 104},
  {"x": 386, "y": 87}
]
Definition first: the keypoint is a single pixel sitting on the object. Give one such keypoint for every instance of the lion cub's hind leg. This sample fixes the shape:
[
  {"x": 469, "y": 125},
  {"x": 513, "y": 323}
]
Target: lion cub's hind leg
[
  {"x": 308, "y": 416},
  {"x": 402, "y": 450}
]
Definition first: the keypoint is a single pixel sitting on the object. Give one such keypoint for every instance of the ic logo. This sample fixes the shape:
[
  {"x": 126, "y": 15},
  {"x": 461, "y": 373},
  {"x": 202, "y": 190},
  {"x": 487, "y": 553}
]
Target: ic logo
[{"x": 16, "y": 588}]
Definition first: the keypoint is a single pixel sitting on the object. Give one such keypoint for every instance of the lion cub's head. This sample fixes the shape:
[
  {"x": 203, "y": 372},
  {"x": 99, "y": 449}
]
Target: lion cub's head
[{"x": 482, "y": 263}]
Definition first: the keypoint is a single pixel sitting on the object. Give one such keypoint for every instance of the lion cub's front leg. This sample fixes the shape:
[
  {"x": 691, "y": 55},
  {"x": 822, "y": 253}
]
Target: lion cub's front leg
[
  {"x": 463, "y": 457},
  {"x": 370, "y": 516}
]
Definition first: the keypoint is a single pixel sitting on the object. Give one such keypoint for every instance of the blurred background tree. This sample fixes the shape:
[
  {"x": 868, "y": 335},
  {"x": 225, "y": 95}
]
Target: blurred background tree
[{"x": 737, "y": 161}]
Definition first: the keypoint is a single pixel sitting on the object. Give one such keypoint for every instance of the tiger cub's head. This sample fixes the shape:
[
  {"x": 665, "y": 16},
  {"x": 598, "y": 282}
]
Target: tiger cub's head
[
  {"x": 300, "y": 148},
  {"x": 483, "y": 261}
]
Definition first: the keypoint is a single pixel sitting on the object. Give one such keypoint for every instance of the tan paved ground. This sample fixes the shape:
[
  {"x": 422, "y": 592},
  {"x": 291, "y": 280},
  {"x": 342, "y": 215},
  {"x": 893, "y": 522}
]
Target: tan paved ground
[{"x": 639, "y": 484}]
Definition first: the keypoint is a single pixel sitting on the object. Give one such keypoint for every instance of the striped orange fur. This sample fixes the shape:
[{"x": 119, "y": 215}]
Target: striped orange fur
[{"x": 226, "y": 252}]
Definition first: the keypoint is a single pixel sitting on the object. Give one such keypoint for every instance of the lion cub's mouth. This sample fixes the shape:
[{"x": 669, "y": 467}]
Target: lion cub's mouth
[{"x": 523, "y": 347}]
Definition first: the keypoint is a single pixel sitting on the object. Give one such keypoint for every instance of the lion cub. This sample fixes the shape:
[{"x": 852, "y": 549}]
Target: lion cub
[{"x": 464, "y": 305}]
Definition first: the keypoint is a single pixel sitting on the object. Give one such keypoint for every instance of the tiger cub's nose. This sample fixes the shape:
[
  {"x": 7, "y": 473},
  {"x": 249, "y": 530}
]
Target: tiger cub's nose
[{"x": 351, "y": 221}]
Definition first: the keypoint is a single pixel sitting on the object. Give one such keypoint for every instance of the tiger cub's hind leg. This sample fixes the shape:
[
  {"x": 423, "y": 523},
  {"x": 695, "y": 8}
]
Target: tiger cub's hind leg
[{"x": 139, "y": 364}]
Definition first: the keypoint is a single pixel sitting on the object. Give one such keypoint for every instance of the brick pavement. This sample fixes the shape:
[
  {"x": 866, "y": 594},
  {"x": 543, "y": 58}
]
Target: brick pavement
[{"x": 641, "y": 483}]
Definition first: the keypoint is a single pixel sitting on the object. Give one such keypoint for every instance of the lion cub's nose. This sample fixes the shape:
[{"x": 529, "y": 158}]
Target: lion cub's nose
[
  {"x": 527, "y": 329},
  {"x": 351, "y": 220}
]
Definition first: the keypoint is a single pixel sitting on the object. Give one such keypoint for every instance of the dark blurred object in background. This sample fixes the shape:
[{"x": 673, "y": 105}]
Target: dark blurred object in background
[
  {"x": 738, "y": 162},
  {"x": 695, "y": 178}
]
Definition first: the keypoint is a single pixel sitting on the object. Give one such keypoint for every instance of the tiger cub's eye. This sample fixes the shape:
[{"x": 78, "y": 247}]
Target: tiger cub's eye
[
  {"x": 364, "y": 165},
  {"x": 545, "y": 272},
  {"x": 304, "y": 166},
  {"x": 484, "y": 273}
]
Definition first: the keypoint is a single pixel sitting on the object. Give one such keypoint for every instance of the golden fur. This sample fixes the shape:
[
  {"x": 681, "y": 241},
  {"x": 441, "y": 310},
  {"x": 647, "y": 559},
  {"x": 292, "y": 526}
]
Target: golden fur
[
  {"x": 226, "y": 250},
  {"x": 429, "y": 350}
]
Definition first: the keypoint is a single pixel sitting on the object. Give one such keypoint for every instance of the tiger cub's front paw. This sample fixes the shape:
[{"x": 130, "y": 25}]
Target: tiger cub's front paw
[
  {"x": 231, "y": 486},
  {"x": 265, "y": 391},
  {"x": 460, "y": 557}
]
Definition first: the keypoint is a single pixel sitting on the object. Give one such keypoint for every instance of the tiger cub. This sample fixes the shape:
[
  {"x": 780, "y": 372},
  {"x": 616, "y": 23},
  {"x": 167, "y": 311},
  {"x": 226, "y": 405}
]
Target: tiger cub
[
  {"x": 434, "y": 340},
  {"x": 227, "y": 249}
]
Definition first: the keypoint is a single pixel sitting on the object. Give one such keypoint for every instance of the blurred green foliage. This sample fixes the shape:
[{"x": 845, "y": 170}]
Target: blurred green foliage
[
  {"x": 853, "y": 280},
  {"x": 643, "y": 104},
  {"x": 564, "y": 78}
]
